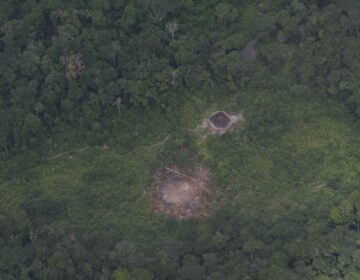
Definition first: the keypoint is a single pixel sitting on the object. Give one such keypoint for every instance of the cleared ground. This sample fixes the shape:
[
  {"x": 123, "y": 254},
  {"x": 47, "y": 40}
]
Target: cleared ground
[{"x": 180, "y": 195}]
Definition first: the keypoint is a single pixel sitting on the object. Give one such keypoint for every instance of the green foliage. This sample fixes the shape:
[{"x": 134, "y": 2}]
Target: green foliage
[
  {"x": 343, "y": 213},
  {"x": 348, "y": 211},
  {"x": 352, "y": 276},
  {"x": 77, "y": 165},
  {"x": 121, "y": 274},
  {"x": 142, "y": 274}
]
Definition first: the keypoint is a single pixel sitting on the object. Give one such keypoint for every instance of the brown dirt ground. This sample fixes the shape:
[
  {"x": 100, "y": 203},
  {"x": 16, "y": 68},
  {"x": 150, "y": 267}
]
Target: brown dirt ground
[{"x": 182, "y": 194}]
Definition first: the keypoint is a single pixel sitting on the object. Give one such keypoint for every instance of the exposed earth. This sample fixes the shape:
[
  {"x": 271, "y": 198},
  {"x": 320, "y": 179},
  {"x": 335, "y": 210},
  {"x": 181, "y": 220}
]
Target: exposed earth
[
  {"x": 182, "y": 194},
  {"x": 177, "y": 190}
]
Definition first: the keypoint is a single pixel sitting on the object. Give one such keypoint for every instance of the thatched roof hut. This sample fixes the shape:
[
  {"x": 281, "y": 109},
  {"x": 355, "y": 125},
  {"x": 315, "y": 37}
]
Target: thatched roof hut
[{"x": 220, "y": 121}]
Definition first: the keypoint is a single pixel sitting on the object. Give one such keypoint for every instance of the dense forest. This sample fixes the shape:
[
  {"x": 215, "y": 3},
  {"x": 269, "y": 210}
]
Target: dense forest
[{"x": 96, "y": 96}]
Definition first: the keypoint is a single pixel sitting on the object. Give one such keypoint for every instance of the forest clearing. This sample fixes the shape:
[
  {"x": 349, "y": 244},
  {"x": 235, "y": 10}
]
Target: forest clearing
[{"x": 179, "y": 140}]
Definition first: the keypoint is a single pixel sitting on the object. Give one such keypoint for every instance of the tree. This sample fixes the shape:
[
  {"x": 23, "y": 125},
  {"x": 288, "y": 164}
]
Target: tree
[
  {"x": 141, "y": 274},
  {"x": 352, "y": 276},
  {"x": 117, "y": 103},
  {"x": 39, "y": 108},
  {"x": 191, "y": 269},
  {"x": 74, "y": 65},
  {"x": 121, "y": 274},
  {"x": 226, "y": 13},
  {"x": 172, "y": 28},
  {"x": 343, "y": 213},
  {"x": 5, "y": 128},
  {"x": 128, "y": 18},
  {"x": 348, "y": 211},
  {"x": 252, "y": 247}
]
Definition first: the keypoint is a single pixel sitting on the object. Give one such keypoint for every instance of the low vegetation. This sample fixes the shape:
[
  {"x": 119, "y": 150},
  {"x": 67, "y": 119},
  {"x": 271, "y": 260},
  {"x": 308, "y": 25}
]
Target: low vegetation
[{"x": 98, "y": 105}]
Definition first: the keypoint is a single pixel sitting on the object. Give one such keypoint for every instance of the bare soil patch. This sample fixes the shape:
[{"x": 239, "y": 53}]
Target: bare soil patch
[{"x": 183, "y": 194}]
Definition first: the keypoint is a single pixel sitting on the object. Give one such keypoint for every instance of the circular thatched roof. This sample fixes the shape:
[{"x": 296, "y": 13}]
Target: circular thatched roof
[{"x": 220, "y": 120}]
